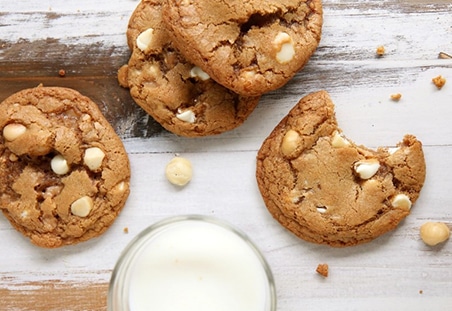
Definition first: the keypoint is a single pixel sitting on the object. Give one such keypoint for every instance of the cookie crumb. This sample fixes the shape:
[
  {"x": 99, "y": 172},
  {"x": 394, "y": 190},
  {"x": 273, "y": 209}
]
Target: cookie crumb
[
  {"x": 380, "y": 51},
  {"x": 421, "y": 291},
  {"x": 322, "y": 269},
  {"x": 396, "y": 97},
  {"x": 62, "y": 73},
  {"x": 443, "y": 55},
  {"x": 126, "y": 230},
  {"x": 439, "y": 81}
]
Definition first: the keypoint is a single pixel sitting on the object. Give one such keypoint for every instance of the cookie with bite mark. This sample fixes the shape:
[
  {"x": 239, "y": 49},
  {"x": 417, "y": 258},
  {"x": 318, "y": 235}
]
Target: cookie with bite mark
[{"x": 328, "y": 190}]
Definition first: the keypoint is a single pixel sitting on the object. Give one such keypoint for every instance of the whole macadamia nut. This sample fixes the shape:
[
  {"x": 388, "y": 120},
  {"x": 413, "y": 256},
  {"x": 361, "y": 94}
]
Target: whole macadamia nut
[{"x": 433, "y": 233}]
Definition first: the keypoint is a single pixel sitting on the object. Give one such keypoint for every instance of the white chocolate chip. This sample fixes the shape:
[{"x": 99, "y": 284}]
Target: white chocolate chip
[
  {"x": 13, "y": 131},
  {"x": 186, "y": 116},
  {"x": 93, "y": 158},
  {"x": 433, "y": 233},
  {"x": 285, "y": 47},
  {"x": 82, "y": 207},
  {"x": 401, "y": 201},
  {"x": 321, "y": 209},
  {"x": 367, "y": 168},
  {"x": 197, "y": 72},
  {"x": 179, "y": 171},
  {"x": 338, "y": 141},
  {"x": 144, "y": 39},
  {"x": 59, "y": 165},
  {"x": 290, "y": 142}
]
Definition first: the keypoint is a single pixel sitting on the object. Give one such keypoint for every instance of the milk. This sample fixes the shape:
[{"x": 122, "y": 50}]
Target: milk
[{"x": 197, "y": 265}]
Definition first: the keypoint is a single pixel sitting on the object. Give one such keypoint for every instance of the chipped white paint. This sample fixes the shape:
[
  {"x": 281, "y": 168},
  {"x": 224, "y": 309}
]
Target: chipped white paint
[{"x": 387, "y": 274}]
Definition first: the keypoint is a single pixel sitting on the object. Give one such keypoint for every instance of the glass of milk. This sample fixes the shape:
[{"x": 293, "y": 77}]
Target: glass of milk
[{"x": 191, "y": 263}]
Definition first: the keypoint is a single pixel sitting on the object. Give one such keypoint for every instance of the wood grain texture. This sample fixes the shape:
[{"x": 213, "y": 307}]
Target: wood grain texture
[{"x": 395, "y": 272}]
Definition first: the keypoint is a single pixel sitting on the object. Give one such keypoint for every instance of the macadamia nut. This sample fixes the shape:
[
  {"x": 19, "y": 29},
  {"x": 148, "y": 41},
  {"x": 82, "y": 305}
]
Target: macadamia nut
[
  {"x": 13, "y": 131},
  {"x": 401, "y": 201},
  {"x": 290, "y": 142},
  {"x": 179, "y": 171},
  {"x": 144, "y": 39},
  {"x": 82, "y": 207},
  {"x": 93, "y": 158},
  {"x": 433, "y": 233},
  {"x": 59, "y": 165},
  {"x": 338, "y": 141},
  {"x": 284, "y": 46}
]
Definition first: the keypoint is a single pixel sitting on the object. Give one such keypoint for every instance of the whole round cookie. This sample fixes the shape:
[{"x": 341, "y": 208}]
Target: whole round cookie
[
  {"x": 326, "y": 189},
  {"x": 177, "y": 94},
  {"x": 64, "y": 173},
  {"x": 251, "y": 47}
]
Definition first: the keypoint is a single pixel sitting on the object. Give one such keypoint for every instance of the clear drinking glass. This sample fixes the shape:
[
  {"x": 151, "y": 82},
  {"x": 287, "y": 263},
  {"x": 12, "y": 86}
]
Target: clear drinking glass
[{"x": 191, "y": 263}]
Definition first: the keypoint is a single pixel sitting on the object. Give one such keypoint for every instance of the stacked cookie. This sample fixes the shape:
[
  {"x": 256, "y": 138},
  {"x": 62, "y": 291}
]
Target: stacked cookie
[{"x": 199, "y": 67}]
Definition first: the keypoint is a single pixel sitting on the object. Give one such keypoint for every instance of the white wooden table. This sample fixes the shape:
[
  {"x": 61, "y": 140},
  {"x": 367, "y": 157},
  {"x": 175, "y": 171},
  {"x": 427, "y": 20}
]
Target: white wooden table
[{"x": 395, "y": 272}]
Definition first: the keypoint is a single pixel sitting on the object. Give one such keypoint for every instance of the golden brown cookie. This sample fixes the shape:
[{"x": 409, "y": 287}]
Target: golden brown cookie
[
  {"x": 326, "y": 189},
  {"x": 64, "y": 173},
  {"x": 177, "y": 94},
  {"x": 251, "y": 47}
]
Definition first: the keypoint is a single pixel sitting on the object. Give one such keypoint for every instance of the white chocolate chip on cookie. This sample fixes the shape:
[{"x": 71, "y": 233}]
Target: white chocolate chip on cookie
[
  {"x": 179, "y": 171},
  {"x": 284, "y": 46},
  {"x": 82, "y": 207},
  {"x": 13, "y": 131},
  {"x": 367, "y": 168},
  {"x": 59, "y": 165},
  {"x": 401, "y": 201},
  {"x": 93, "y": 158},
  {"x": 186, "y": 116},
  {"x": 144, "y": 39},
  {"x": 338, "y": 141},
  {"x": 197, "y": 72}
]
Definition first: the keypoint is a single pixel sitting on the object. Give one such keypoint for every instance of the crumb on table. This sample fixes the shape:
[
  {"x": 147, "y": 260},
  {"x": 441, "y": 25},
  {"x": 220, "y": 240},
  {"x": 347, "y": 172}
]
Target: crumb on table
[
  {"x": 322, "y": 269},
  {"x": 126, "y": 230},
  {"x": 439, "y": 81},
  {"x": 61, "y": 72},
  {"x": 396, "y": 96},
  {"x": 380, "y": 50}
]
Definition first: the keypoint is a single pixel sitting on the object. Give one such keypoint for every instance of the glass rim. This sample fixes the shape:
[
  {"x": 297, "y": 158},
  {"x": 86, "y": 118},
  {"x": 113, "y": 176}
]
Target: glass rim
[{"x": 128, "y": 255}]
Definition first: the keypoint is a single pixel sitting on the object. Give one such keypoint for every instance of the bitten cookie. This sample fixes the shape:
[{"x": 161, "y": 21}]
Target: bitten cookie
[
  {"x": 64, "y": 173},
  {"x": 326, "y": 189},
  {"x": 177, "y": 94},
  {"x": 251, "y": 47}
]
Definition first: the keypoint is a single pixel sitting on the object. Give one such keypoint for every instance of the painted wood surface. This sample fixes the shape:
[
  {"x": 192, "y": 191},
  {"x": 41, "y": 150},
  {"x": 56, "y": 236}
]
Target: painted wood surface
[{"x": 395, "y": 272}]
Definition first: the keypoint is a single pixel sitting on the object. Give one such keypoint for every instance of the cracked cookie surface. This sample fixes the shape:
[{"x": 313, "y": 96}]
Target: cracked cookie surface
[
  {"x": 251, "y": 47},
  {"x": 326, "y": 189},
  {"x": 64, "y": 173},
  {"x": 177, "y": 94}
]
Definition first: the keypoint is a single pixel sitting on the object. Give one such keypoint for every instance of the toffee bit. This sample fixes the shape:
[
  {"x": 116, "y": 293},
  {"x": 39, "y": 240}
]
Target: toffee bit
[
  {"x": 380, "y": 51},
  {"x": 439, "y": 81},
  {"x": 396, "y": 97}
]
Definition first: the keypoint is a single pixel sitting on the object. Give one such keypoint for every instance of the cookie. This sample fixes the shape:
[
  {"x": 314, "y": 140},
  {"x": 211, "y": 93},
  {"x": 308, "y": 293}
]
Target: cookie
[
  {"x": 250, "y": 47},
  {"x": 64, "y": 173},
  {"x": 326, "y": 189},
  {"x": 177, "y": 94}
]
